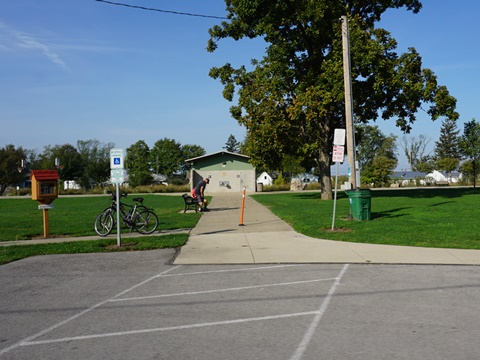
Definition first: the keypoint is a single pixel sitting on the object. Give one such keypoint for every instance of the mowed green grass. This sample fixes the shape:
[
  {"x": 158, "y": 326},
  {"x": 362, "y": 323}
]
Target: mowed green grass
[
  {"x": 20, "y": 219},
  {"x": 426, "y": 217}
]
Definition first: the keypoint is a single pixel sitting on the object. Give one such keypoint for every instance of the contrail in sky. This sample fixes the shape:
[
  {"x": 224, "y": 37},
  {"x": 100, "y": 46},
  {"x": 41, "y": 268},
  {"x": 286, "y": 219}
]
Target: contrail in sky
[{"x": 27, "y": 42}]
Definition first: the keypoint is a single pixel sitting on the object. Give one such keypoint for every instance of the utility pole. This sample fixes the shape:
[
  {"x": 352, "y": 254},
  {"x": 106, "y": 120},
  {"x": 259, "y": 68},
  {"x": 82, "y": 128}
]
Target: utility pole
[{"x": 350, "y": 126}]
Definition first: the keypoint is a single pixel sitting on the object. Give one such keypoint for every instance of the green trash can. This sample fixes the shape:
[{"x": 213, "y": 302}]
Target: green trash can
[{"x": 360, "y": 203}]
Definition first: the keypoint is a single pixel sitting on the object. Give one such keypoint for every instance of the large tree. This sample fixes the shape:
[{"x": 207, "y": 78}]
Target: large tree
[
  {"x": 96, "y": 160},
  {"x": 292, "y": 99},
  {"x": 376, "y": 154},
  {"x": 190, "y": 151},
  {"x": 166, "y": 156},
  {"x": 414, "y": 149},
  {"x": 447, "y": 150},
  {"x": 11, "y": 171},
  {"x": 138, "y": 164},
  {"x": 470, "y": 147},
  {"x": 65, "y": 158},
  {"x": 232, "y": 145}
]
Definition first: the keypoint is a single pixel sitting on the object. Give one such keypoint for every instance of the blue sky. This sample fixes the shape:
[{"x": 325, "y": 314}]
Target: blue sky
[{"x": 81, "y": 69}]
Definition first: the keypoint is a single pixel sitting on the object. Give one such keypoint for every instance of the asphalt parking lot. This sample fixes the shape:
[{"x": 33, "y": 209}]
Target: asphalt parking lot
[{"x": 137, "y": 305}]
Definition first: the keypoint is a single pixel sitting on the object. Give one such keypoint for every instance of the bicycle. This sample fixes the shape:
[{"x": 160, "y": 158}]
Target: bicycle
[{"x": 136, "y": 216}]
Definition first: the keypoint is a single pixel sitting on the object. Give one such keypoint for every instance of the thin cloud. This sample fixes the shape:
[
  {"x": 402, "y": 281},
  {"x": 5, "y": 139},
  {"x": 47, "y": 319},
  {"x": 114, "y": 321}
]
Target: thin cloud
[{"x": 28, "y": 42}]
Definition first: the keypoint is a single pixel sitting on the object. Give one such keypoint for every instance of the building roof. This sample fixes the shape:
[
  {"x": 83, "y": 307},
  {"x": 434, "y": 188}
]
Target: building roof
[
  {"x": 223, "y": 152},
  {"x": 408, "y": 175},
  {"x": 44, "y": 175}
]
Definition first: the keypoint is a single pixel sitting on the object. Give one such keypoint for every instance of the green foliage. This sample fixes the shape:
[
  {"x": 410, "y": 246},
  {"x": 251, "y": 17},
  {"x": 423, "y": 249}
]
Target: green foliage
[
  {"x": 447, "y": 146},
  {"x": 470, "y": 148},
  {"x": 378, "y": 171},
  {"x": 138, "y": 164},
  {"x": 68, "y": 161},
  {"x": 447, "y": 164},
  {"x": 10, "y": 162},
  {"x": 232, "y": 145},
  {"x": 96, "y": 159},
  {"x": 376, "y": 155},
  {"x": 189, "y": 152},
  {"x": 166, "y": 156},
  {"x": 292, "y": 99},
  {"x": 280, "y": 180},
  {"x": 276, "y": 187}
]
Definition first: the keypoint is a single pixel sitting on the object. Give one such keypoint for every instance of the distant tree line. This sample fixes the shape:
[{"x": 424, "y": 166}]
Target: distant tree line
[{"x": 88, "y": 163}]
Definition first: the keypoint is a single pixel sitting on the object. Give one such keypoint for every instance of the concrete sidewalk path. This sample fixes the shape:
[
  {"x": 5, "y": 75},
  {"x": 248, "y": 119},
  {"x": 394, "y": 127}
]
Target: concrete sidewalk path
[{"x": 264, "y": 238}]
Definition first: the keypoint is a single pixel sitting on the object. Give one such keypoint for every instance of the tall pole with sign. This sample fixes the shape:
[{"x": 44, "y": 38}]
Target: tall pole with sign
[
  {"x": 338, "y": 156},
  {"x": 117, "y": 176},
  {"x": 347, "y": 77}
]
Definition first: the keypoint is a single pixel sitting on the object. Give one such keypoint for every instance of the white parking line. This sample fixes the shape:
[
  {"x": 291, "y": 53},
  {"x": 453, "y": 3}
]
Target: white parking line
[
  {"x": 66, "y": 321},
  {"x": 318, "y": 316},
  {"x": 170, "y": 328},
  {"x": 29, "y": 341},
  {"x": 222, "y": 290}
]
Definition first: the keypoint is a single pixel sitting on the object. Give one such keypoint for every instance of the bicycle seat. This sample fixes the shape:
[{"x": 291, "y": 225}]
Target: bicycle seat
[{"x": 139, "y": 199}]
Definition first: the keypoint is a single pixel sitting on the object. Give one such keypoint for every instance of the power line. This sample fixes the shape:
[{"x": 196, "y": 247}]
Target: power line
[{"x": 162, "y": 11}]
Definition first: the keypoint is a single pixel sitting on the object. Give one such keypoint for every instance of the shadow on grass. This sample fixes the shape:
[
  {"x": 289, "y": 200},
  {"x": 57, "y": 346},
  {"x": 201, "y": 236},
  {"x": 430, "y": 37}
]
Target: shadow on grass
[
  {"x": 445, "y": 192},
  {"x": 390, "y": 213},
  {"x": 430, "y": 192}
]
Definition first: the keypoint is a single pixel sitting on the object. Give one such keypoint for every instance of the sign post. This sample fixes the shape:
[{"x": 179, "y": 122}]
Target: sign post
[
  {"x": 338, "y": 157},
  {"x": 117, "y": 176}
]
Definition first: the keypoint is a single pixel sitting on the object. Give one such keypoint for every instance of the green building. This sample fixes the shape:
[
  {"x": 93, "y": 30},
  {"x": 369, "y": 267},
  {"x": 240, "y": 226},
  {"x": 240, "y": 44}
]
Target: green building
[{"x": 228, "y": 172}]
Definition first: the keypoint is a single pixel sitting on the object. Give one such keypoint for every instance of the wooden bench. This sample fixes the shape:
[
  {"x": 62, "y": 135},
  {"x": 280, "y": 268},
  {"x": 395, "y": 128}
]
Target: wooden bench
[
  {"x": 441, "y": 183},
  {"x": 190, "y": 203}
]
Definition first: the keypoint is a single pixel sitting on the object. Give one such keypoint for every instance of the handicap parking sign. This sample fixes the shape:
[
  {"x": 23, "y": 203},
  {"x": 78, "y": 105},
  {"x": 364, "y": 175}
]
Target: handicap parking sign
[{"x": 116, "y": 159}]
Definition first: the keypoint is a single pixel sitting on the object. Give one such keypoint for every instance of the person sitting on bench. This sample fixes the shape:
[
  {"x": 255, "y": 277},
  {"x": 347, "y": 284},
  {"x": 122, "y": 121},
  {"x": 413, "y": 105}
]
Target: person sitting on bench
[{"x": 200, "y": 196}]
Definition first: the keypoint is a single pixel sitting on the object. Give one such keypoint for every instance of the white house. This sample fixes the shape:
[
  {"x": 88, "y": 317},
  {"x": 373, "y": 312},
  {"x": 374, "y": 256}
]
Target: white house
[
  {"x": 452, "y": 177},
  {"x": 436, "y": 176},
  {"x": 265, "y": 179},
  {"x": 71, "y": 184}
]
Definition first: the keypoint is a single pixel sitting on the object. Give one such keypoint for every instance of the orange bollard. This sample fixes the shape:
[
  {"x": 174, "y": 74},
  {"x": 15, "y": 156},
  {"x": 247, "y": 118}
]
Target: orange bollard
[{"x": 242, "y": 208}]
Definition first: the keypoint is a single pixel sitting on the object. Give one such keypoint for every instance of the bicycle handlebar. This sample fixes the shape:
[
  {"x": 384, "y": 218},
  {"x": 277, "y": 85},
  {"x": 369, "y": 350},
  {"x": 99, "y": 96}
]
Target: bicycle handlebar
[{"x": 114, "y": 196}]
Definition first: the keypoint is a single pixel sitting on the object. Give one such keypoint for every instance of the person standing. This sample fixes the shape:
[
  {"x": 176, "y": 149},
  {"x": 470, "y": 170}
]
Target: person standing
[{"x": 200, "y": 194}]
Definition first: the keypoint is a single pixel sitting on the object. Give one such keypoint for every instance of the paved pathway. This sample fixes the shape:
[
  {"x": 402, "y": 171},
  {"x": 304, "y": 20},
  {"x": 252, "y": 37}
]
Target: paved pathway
[{"x": 264, "y": 238}]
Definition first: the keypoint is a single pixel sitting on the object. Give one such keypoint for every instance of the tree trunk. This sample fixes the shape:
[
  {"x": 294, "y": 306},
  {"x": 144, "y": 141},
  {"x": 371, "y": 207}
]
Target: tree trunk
[{"x": 325, "y": 177}]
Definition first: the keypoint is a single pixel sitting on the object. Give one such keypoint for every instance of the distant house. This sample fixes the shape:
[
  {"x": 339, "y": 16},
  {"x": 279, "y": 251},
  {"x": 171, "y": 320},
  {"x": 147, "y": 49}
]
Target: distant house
[
  {"x": 265, "y": 179},
  {"x": 436, "y": 176},
  {"x": 306, "y": 178},
  {"x": 71, "y": 184},
  {"x": 452, "y": 177},
  {"x": 406, "y": 178},
  {"x": 228, "y": 172}
]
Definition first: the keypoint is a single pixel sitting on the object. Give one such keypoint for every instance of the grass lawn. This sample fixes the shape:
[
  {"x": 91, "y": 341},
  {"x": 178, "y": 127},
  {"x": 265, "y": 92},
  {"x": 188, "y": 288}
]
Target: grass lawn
[
  {"x": 20, "y": 219},
  {"x": 17, "y": 252},
  {"x": 427, "y": 217}
]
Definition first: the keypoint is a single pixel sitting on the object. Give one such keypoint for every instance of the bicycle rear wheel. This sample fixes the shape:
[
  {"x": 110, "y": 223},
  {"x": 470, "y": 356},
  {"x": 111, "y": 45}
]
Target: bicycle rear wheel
[
  {"x": 146, "y": 222},
  {"x": 104, "y": 223}
]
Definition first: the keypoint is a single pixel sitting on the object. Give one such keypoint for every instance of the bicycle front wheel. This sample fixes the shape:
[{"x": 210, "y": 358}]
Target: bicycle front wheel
[
  {"x": 104, "y": 223},
  {"x": 146, "y": 222}
]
